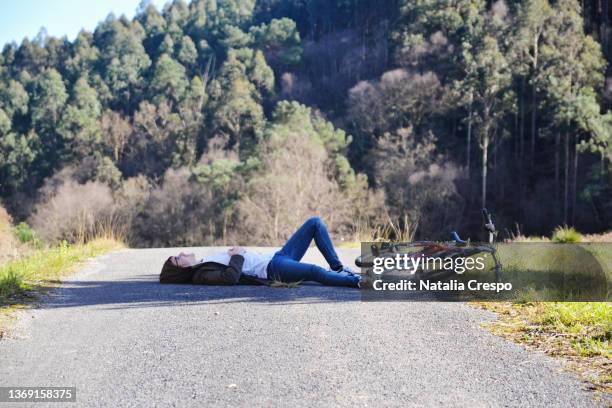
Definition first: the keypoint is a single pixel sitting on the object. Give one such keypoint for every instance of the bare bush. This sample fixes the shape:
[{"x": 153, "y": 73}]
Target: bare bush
[
  {"x": 115, "y": 131},
  {"x": 181, "y": 212},
  {"x": 294, "y": 184},
  {"x": 399, "y": 98},
  {"x": 419, "y": 183},
  {"x": 8, "y": 244},
  {"x": 130, "y": 201},
  {"x": 294, "y": 87},
  {"x": 76, "y": 212}
]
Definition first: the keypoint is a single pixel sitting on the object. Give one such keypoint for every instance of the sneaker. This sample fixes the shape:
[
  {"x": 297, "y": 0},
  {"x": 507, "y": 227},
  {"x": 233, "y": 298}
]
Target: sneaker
[
  {"x": 344, "y": 273},
  {"x": 347, "y": 271},
  {"x": 364, "y": 283}
]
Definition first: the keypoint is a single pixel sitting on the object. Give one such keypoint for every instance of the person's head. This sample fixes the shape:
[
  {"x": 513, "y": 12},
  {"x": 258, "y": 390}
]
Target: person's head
[{"x": 184, "y": 259}]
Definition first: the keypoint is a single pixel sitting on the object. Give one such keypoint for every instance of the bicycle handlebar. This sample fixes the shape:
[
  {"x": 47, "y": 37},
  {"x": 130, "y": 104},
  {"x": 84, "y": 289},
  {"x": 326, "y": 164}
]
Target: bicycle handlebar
[
  {"x": 455, "y": 237},
  {"x": 489, "y": 226}
]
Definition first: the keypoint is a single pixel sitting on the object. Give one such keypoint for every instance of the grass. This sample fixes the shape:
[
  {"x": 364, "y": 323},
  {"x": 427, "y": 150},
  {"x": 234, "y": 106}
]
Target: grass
[
  {"x": 21, "y": 279},
  {"x": 578, "y": 332},
  {"x": 401, "y": 229},
  {"x": 285, "y": 285},
  {"x": 566, "y": 235},
  {"x": 557, "y": 272}
]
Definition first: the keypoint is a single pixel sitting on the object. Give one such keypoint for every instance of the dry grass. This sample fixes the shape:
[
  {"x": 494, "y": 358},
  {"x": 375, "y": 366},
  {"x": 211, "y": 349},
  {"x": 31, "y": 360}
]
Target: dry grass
[
  {"x": 518, "y": 236},
  {"x": 400, "y": 229},
  {"x": 7, "y": 238},
  {"x": 78, "y": 213},
  {"x": 10, "y": 246},
  {"x": 603, "y": 237},
  {"x": 285, "y": 285}
]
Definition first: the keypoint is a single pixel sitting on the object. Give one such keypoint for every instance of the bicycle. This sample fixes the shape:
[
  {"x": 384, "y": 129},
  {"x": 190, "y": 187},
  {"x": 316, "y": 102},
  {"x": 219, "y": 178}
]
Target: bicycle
[{"x": 457, "y": 248}]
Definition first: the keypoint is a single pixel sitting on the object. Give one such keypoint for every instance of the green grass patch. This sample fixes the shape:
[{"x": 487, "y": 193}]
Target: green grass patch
[
  {"x": 19, "y": 278},
  {"x": 27, "y": 235},
  {"x": 587, "y": 324},
  {"x": 566, "y": 235},
  {"x": 578, "y": 332},
  {"x": 541, "y": 271}
]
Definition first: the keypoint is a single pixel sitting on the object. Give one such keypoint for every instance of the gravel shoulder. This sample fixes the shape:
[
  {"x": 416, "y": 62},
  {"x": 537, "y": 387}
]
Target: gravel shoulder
[{"x": 123, "y": 339}]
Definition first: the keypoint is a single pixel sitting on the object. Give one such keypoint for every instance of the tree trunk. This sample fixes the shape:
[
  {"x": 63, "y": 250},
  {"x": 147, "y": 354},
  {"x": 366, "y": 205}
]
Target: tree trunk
[
  {"x": 516, "y": 136},
  {"x": 566, "y": 186},
  {"x": 557, "y": 165},
  {"x": 494, "y": 147},
  {"x": 574, "y": 182},
  {"x": 534, "y": 107},
  {"x": 469, "y": 137},
  {"x": 485, "y": 154},
  {"x": 605, "y": 29},
  {"x": 522, "y": 117},
  {"x": 533, "y": 123},
  {"x": 521, "y": 161},
  {"x": 225, "y": 217}
]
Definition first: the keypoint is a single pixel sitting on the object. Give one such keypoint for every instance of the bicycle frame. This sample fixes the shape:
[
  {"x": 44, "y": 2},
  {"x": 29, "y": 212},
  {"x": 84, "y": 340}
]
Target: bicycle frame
[{"x": 453, "y": 249}]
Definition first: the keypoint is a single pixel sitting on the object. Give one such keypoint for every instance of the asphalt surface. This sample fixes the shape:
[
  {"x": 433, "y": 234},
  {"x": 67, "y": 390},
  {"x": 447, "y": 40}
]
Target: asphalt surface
[{"x": 125, "y": 340}]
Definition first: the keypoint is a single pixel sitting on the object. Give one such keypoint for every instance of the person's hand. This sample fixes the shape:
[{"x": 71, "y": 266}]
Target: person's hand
[{"x": 236, "y": 251}]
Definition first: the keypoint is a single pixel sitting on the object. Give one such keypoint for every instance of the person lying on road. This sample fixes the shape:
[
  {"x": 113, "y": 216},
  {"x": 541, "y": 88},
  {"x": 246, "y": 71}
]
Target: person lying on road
[{"x": 239, "y": 265}]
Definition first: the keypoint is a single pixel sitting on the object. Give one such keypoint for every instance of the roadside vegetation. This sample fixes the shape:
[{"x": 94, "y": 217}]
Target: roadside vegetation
[
  {"x": 580, "y": 333},
  {"x": 21, "y": 278},
  {"x": 29, "y": 266}
]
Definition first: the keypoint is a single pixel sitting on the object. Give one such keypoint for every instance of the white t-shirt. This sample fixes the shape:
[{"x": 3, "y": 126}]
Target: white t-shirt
[{"x": 255, "y": 264}]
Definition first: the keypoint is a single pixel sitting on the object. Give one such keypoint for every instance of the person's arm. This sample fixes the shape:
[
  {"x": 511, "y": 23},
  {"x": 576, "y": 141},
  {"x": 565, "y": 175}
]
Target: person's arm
[
  {"x": 236, "y": 262},
  {"x": 214, "y": 273}
]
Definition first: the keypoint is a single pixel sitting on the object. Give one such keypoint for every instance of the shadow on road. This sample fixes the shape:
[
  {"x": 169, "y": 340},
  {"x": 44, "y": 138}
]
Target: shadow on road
[{"x": 146, "y": 291}]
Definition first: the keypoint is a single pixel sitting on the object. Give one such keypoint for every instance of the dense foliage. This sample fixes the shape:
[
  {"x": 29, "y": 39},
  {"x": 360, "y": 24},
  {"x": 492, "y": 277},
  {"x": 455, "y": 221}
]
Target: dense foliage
[{"x": 233, "y": 120}]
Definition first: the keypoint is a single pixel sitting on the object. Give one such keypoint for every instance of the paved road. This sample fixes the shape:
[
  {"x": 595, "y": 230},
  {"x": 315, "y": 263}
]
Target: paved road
[{"x": 124, "y": 340}]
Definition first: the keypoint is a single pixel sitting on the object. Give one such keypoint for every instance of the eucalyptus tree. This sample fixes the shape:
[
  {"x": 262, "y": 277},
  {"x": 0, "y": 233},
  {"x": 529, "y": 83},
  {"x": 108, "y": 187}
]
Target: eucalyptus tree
[
  {"x": 573, "y": 65},
  {"x": 79, "y": 126},
  {"x": 532, "y": 20}
]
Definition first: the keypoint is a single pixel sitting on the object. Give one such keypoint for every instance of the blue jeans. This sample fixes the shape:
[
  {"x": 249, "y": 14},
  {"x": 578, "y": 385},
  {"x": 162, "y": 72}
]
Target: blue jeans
[{"x": 285, "y": 265}]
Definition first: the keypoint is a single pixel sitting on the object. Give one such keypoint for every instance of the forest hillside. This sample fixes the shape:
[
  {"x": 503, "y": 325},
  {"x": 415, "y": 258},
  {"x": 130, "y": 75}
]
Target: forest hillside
[{"x": 231, "y": 121}]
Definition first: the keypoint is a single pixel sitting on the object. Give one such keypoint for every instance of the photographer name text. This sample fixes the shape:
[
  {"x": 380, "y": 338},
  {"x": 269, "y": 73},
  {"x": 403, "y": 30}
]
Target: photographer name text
[{"x": 446, "y": 286}]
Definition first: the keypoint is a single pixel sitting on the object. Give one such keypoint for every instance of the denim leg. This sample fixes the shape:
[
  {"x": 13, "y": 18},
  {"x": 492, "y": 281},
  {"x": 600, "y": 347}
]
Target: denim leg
[
  {"x": 296, "y": 246},
  {"x": 285, "y": 269}
]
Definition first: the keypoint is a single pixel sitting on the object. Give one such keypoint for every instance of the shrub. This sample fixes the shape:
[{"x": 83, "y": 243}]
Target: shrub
[
  {"x": 565, "y": 235},
  {"x": 303, "y": 173},
  {"x": 7, "y": 238},
  {"x": 26, "y": 234},
  {"x": 419, "y": 183},
  {"x": 179, "y": 212},
  {"x": 130, "y": 201},
  {"x": 77, "y": 213},
  {"x": 293, "y": 184}
]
